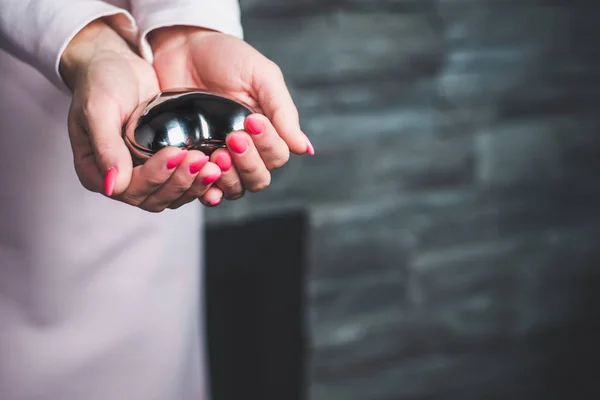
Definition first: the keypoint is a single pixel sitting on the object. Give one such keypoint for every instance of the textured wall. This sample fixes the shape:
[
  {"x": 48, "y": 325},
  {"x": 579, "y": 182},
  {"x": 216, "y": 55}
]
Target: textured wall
[{"x": 455, "y": 200}]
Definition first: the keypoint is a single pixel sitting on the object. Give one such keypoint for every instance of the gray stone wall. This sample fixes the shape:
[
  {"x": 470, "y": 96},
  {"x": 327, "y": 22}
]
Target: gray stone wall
[{"x": 454, "y": 197}]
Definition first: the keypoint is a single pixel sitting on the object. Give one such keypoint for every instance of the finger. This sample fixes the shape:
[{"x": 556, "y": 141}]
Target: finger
[
  {"x": 83, "y": 156},
  {"x": 230, "y": 182},
  {"x": 149, "y": 177},
  {"x": 102, "y": 120},
  {"x": 270, "y": 145},
  {"x": 252, "y": 170},
  {"x": 180, "y": 181},
  {"x": 275, "y": 100},
  {"x": 206, "y": 176},
  {"x": 212, "y": 197}
]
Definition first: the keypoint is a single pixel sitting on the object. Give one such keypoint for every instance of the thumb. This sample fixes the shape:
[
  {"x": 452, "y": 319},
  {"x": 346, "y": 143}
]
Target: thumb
[
  {"x": 276, "y": 102},
  {"x": 104, "y": 123}
]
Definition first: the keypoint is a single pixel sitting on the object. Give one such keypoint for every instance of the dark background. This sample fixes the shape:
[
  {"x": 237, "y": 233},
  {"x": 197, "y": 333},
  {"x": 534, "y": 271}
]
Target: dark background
[{"x": 454, "y": 202}]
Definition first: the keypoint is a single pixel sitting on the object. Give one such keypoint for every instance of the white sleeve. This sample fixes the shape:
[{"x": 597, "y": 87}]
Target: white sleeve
[
  {"x": 38, "y": 31},
  {"x": 219, "y": 15}
]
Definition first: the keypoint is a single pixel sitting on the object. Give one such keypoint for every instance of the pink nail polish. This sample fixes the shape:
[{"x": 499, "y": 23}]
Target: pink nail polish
[
  {"x": 223, "y": 160},
  {"x": 109, "y": 181},
  {"x": 237, "y": 143},
  {"x": 176, "y": 160},
  {"x": 215, "y": 202},
  {"x": 254, "y": 125},
  {"x": 211, "y": 179},
  {"x": 196, "y": 166},
  {"x": 309, "y": 147}
]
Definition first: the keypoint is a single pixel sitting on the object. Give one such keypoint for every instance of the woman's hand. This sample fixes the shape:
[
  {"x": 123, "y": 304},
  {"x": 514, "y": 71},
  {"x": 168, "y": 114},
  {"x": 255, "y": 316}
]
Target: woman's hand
[
  {"x": 194, "y": 57},
  {"x": 108, "y": 81}
]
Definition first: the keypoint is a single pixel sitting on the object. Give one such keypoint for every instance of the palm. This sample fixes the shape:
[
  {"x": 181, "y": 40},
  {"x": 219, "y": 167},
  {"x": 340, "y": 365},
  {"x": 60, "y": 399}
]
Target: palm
[
  {"x": 119, "y": 85},
  {"x": 225, "y": 64},
  {"x": 214, "y": 62},
  {"x": 125, "y": 83}
]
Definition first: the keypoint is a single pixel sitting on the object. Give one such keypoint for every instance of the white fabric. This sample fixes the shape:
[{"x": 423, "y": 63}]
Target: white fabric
[
  {"x": 218, "y": 15},
  {"x": 98, "y": 300}
]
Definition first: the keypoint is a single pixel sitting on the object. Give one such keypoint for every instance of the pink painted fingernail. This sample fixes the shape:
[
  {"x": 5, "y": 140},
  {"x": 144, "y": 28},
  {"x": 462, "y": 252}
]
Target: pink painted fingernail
[
  {"x": 176, "y": 160},
  {"x": 196, "y": 166},
  {"x": 254, "y": 125},
  {"x": 109, "y": 181},
  {"x": 223, "y": 160},
  {"x": 237, "y": 143},
  {"x": 215, "y": 202},
  {"x": 309, "y": 147},
  {"x": 211, "y": 179}
]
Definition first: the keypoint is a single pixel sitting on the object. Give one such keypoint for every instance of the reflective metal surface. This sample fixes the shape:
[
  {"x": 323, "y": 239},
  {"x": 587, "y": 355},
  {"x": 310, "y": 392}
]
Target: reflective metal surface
[{"x": 185, "y": 118}]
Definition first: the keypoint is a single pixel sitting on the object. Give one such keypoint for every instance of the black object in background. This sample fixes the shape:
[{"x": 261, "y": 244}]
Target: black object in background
[{"x": 254, "y": 302}]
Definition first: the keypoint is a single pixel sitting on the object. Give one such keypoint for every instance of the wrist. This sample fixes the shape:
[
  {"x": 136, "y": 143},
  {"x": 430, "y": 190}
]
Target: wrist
[{"x": 96, "y": 37}]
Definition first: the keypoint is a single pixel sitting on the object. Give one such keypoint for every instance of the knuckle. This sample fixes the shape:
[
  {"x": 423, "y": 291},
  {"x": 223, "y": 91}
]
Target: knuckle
[
  {"x": 275, "y": 69},
  {"x": 184, "y": 200},
  {"x": 89, "y": 110},
  {"x": 175, "y": 206},
  {"x": 197, "y": 189},
  {"x": 154, "y": 182},
  {"x": 294, "y": 115},
  {"x": 280, "y": 161},
  {"x": 130, "y": 199},
  {"x": 238, "y": 194},
  {"x": 266, "y": 147},
  {"x": 230, "y": 185},
  {"x": 153, "y": 208},
  {"x": 260, "y": 185},
  {"x": 257, "y": 187},
  {"x": 196, "y": 192},
  {"x": 179, "y": 184},
  {"x": 235, "y": 196},
  {"x": 249, "y": 169}
]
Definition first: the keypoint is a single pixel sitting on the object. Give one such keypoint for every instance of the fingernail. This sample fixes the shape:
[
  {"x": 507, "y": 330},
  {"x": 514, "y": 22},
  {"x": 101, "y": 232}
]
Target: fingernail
[
  {"x": 238, "y": 143},
  {"x": 109, "y": 181},
  {"x": 215, "y": 202},
  {"x": 176, "y": 160},
  {"x": 223, "y": 160},
  {"x": 254, "y": 125},
  {"x": 211, "y": 179},
  {"x": 196, "y": 166},
  {"x": 309, "y": 147}
]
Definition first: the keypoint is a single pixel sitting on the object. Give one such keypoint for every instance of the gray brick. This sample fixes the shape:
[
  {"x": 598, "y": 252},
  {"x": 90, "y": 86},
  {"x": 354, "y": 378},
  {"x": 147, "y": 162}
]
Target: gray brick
[
  {"x": 538, "y": 156},
  {"x": 453, "y": 199},
  {"x": 277, "y": 9},
  {"x": 335, "y": 301},
  {"x": 526, "y": 273},
  {"x": 351, "y": 45},
  {"x": 491, "y": 375}
]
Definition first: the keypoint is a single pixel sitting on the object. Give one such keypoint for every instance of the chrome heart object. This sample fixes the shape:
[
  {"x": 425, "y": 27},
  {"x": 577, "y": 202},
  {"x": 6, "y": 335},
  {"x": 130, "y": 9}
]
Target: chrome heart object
[{"x": 184, "y": 118}]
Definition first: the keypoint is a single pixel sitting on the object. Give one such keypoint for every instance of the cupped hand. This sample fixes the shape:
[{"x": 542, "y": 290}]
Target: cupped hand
[
  {"x": 109, "y": 81},
  {"x": 216, "y": 62}
]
